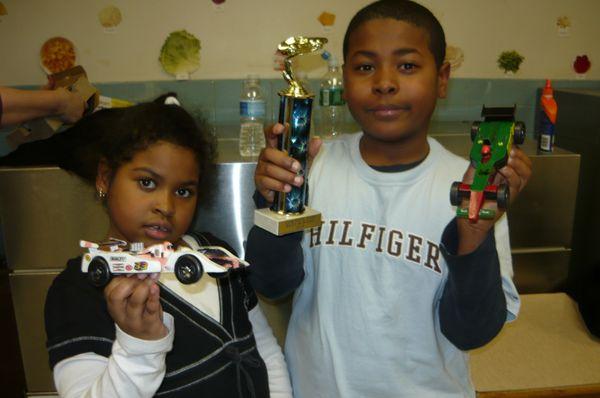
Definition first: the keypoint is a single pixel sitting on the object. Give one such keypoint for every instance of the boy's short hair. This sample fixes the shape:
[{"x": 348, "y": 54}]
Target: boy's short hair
[{"x": 405, "y": 11}]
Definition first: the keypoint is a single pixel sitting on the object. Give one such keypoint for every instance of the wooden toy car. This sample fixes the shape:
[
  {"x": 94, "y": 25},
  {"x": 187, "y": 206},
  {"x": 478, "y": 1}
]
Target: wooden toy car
[
  {"x": 492, "y": 142},
  {"x": 103, "y": 260}
]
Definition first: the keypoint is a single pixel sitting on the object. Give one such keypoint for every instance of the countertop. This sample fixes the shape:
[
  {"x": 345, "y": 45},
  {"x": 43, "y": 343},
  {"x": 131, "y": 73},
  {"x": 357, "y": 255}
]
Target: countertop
[{"x": 455, "y": 136}]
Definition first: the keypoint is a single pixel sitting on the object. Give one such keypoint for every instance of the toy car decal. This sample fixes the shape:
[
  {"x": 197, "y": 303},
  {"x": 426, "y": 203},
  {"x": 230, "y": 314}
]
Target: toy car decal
[{"x": 140, "y": 266}]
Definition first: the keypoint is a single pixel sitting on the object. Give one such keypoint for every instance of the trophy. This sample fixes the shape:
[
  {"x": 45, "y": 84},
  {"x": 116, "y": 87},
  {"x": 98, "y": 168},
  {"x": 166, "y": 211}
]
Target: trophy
[{"x": 289, "y": 212}]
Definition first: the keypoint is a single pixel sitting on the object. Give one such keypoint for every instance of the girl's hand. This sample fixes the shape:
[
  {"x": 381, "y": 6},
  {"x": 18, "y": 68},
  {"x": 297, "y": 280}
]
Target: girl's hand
[
  {"x": 276, "y": 171},
  {"x": 134, "y": 305},
  {"x": 516, "y": 174}
]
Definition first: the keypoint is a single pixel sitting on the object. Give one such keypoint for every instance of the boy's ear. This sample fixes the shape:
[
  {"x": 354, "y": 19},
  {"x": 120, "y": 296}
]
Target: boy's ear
[
  {"x": 103, "y": 176},
  {"x": 443, "y": 77}
]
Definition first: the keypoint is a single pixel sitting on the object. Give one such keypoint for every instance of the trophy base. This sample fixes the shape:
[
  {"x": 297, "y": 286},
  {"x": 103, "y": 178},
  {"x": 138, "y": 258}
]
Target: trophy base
[{"x": 283, "y": 224}]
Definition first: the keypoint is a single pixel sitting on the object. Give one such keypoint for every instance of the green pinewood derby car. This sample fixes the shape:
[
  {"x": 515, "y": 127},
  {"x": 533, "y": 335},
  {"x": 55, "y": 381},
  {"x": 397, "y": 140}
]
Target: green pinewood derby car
[{"x": 492, "y": 141}]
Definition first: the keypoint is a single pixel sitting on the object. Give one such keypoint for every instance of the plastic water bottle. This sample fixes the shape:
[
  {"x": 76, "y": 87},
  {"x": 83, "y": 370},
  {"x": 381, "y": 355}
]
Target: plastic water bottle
[
  {"x": 252, "y": 117},
  {"x": 549, "y": 110},
  {"x": 333, "y": 107}
]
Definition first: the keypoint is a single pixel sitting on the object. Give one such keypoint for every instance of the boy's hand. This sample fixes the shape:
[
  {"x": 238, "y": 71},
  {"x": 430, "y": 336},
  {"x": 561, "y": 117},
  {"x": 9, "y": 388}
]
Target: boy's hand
[
  {"x": 516, "y": 174},
  {"x": 134, "y": 304},
  {"x": 276, "y": 171}
]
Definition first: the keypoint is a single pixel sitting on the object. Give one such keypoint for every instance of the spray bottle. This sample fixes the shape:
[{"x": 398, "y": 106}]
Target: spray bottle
[{"x": 549, "y": 109}]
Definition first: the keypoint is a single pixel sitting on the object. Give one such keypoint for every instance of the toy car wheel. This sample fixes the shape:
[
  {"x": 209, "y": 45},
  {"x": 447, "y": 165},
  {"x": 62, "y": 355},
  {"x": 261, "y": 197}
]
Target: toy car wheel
[
  {"x": 188, "y": 269},
  {"x": 519, "y": 134},
  {"x": 455, "y": 199},
  {"x": 99, "y": 272},
  {"x": 503, "y": 196},
  {"x": 474, "y": 130}
]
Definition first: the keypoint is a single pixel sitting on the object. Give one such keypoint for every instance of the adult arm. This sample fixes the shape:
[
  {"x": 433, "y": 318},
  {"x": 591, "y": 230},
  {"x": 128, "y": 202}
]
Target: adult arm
[
  {"x": 19, "y": 106},
  {"x": 269, "y": 350},
  {"x": 135, "y": 368}
]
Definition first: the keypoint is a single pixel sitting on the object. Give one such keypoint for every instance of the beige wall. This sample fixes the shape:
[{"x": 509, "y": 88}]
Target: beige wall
[{"x": 241, "y": 39}]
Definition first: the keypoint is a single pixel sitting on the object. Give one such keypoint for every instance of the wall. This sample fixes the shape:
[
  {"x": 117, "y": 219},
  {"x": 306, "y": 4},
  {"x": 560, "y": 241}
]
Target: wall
[{"x": 242, "y": 37}]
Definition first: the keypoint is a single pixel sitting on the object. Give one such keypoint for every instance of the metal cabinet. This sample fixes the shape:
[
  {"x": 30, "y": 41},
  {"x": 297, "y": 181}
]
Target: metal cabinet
[{"x": 578, "y": 129}]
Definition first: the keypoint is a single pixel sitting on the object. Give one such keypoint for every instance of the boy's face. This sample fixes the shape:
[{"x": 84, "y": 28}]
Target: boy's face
[{"x": 391, "y": 81}]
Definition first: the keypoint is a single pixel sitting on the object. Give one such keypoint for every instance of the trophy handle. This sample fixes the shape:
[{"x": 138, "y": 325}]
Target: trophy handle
[{"x": 288, "y": 75}]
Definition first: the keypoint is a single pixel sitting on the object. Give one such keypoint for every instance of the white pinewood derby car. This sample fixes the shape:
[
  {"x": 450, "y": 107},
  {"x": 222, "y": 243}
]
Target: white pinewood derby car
[{"x": 103, "y": 260}]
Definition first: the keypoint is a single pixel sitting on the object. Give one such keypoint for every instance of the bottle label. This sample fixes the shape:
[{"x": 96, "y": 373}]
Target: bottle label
[
  {"x": 331, "y": 96},
  {"x": 546, "y": 142},
  {"x": 546, "y": 134},
  {"x": 253, "y": 109}
]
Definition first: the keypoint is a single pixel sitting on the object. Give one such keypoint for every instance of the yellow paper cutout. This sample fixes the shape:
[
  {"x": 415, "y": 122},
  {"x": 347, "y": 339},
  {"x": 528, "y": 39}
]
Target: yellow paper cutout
[
  {"x": 110, "y": 17},
  {"x": 326, "y": 18}
]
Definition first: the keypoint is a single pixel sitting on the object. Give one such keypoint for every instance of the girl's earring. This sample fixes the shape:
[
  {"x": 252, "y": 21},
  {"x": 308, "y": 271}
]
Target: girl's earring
[{"x": 101, "y": 194}]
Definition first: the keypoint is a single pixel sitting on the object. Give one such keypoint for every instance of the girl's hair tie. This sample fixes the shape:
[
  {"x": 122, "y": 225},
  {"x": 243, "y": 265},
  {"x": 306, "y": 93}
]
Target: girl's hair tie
[{"x": 172, "y": 100}]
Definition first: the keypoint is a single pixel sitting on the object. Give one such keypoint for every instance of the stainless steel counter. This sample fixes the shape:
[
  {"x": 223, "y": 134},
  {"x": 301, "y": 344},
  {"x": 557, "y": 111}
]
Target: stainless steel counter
[{"x": 45, "y": 211}]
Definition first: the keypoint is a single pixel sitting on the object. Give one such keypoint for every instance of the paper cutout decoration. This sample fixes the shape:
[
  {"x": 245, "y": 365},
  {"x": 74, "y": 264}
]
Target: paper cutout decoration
[
  {"x": 219, "y": 6},
  {"x": 3, "y": 10},
  {"x": 454, "y": 56},
  {"x": 326, "y": 18},
  {"x": 110, "y": 17},
  {"x": 581, "y": 64},
  {"x": 180, "y": 54},
  {"x": 57, "y": 54},
  {"x": 510, "y": 61},
  {"x": 563, "y": 25}
]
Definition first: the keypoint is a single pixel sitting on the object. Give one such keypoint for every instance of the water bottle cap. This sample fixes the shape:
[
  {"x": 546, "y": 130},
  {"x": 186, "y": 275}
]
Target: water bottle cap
[
  {"x": 252, "y": 77},
  {"x": 333, "y": 62}
]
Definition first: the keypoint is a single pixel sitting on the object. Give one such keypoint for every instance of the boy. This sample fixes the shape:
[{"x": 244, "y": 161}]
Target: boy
[{"x": 378, "y": 311}]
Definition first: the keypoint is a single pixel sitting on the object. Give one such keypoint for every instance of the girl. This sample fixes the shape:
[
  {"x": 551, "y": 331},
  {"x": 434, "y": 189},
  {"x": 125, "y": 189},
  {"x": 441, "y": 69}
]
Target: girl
[{"x": 143, "y": 337}]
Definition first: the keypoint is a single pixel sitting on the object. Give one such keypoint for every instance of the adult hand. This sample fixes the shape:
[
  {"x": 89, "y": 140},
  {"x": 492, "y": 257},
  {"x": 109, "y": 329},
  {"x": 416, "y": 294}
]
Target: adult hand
[
  {"x": 134, "y": 304},
  {"x": 71, "y": 105},
  {"x": 276, "y": 170}
]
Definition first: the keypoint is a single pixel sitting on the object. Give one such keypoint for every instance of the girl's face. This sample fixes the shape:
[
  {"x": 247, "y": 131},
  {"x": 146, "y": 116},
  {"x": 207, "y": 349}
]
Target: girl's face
[{"x": 153, "y": 197}]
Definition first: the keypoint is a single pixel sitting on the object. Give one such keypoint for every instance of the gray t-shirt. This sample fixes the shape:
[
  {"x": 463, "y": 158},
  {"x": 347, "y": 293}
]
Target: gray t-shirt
[{"x": 365, "y": 319}]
